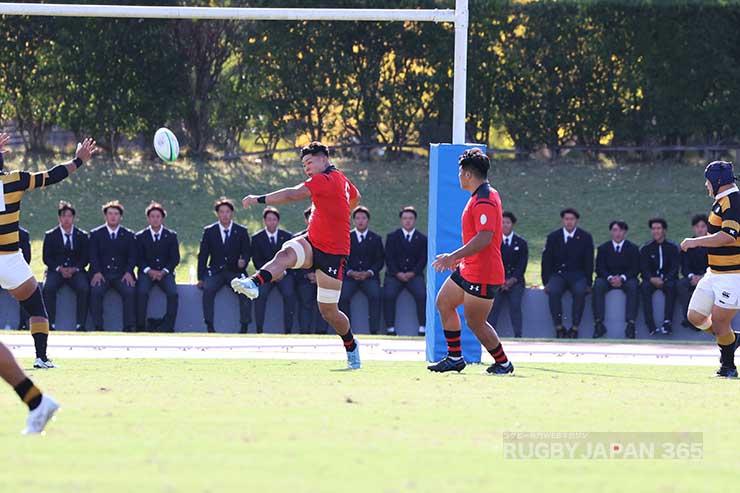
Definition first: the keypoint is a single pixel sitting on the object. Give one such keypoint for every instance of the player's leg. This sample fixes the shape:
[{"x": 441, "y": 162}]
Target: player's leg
[
  {"x": 328, "y": 292},
  {"x": 699, "y": 311},
  {"x": 29, "y": 296},
  {"x": 727, "y": 340},
  {"x": 296, "y": 253},
  {"x": 41, "y": 407},
  {"x": 476, "y": 316},
  {"x": 450, "y": 296}
]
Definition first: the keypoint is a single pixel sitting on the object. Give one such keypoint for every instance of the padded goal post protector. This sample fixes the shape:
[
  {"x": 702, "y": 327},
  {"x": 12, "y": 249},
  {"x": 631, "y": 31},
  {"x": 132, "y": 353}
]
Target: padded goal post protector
[{"x": 446, "y": 203}]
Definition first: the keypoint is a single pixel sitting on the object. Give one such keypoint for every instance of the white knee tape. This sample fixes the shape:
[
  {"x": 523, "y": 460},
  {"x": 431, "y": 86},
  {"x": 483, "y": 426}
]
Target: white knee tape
[
  {"x": 324, "y": 295},
  {"x": 300, "y": 253},
  {"x": 702, "y": 302}
]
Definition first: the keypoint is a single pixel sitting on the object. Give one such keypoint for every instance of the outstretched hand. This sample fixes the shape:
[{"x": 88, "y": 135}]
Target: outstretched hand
[
  {"x": 445, "y": 261},
  {"x": 250, "y": 200},
  {"x": 86, "y": 150}
]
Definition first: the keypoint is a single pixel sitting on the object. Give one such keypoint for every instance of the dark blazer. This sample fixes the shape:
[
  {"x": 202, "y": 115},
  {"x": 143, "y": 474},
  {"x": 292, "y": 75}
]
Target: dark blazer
[
  {"x": 694, "y": 261},
  {"x": 404, "y": 256},
  {"x": 368, "y": 255},
  {"x": 112, "y": 257},
  {"x": 55, "y": 255},
  {"x": 164, "y": 254},
  {"x": 25, "y": 243},
  {"x": 515, "y": 257},
  {"x": 262, "y": 251},
  {"x": 650, "y": 260},
  {"x": 576, "y": 256},
  {"x": 215, "y": 257},
  {"x": 625, "y": 263}
]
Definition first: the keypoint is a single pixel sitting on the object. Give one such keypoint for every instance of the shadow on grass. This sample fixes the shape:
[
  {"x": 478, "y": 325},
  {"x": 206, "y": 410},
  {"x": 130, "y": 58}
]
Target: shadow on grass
[{"x": 608, "y": 375}]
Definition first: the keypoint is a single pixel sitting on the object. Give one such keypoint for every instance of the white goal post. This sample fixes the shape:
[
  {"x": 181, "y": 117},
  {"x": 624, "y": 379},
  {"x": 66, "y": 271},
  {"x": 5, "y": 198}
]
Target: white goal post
[{"x": 458, "y": 16}]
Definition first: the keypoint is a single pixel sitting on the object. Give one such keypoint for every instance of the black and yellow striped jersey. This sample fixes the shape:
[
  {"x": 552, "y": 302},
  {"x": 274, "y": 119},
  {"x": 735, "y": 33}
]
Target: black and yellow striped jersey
[
  {"x": 14, "y": 185},
  {"x": 725, "y": 216}
]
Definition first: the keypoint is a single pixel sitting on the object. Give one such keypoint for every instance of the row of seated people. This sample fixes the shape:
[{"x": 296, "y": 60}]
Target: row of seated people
[
  {"x": 568, "y": 265},
  {"x": 114, "y": 257}
]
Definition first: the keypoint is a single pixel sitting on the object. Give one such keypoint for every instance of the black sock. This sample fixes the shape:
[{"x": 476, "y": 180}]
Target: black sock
[
  {"x": 262, "y": 277},
  {"x": 453, "y": 343},
  {"x": 29, "y": 393},
  {"x": 39, "y": 340},
  {"x": 349, "y": 341},
  {"x": 727, "y": 355}
]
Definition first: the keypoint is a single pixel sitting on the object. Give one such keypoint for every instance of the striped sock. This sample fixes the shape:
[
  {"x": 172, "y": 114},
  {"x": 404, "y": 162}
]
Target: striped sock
[
  {"x": 262, "y": 277},
  {"x": 349, "y": 341},
  {"x": 29, "y": 393},
  {"x": 499, "y": 356},
  {"x": 453, "y": 343}
]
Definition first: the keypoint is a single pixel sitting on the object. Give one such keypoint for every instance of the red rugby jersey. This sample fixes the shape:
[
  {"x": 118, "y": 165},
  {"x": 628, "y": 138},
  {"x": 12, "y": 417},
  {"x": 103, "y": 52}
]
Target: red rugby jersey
[
  {"x": 483, "y": 213},
  {"x": 328, "y": 227}
]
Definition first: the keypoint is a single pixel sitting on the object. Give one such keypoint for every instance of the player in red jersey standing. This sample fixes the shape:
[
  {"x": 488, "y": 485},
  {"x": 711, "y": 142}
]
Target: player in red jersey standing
[
  {"x": 479, "y": 269},
  {"x": 325, "y": 247}
]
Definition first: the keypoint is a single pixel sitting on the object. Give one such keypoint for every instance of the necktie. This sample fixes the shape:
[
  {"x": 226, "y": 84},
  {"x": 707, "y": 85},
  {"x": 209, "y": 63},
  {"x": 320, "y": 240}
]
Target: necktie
[
  {"x": 508, "y": 242},
  {"x": 67, "y": 241},
  {"x": 362, "y": 237},
  {"x": 408, "y": 238},
  {"x": 272, "y": 241},
  {"x": 618, "y": 248},
  {"x": 156, "y": 237},
  {"x": 113, "y": 236},
  {"x": 567, "y": 238},
  {"x": 226, "y": 235}
]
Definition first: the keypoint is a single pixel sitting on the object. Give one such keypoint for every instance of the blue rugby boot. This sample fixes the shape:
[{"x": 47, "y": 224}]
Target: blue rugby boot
[
  {"x": 246, "y": 286},
  {"x": 726, "y": 372},
  {"x": 499, "y": 369},
  {"x": 353, "y": 358},
  {"x": 447, "y": 364}
]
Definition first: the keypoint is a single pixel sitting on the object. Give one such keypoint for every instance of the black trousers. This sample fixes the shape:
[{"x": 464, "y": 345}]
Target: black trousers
[
  {"x": 168, "y": 286},
  {"x": 211, "y": 285},
  {"x": 684, "y": 290},
  {"x": 514, "y": 295},
  {"x": 128, "y": 295},
  {"x": 79, "y": 283},
  {"x": 371, "y": 288},
  {"x": 393, "y": 287},
  {"x": 669, "y": 291},
  {"x": 631, "y": 288},
  {"x": 558, "y": 284},
  {"x": 286, "y": 286},
  {"x": 308, "y": 312}
]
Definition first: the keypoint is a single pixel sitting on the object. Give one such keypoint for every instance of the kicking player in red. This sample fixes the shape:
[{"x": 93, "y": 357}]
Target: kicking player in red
[
  {"x": 479, "y": 269},
  {"x": 325, "y": 247}
]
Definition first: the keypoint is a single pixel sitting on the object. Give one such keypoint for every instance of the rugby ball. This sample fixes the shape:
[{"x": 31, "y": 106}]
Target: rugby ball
[{"x": 166, "y": 145}]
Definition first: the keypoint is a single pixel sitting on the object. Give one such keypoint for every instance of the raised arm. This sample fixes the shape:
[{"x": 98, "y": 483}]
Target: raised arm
[
  {"x": 85, "y": 151},
  {"x": 282, "y": 196}
]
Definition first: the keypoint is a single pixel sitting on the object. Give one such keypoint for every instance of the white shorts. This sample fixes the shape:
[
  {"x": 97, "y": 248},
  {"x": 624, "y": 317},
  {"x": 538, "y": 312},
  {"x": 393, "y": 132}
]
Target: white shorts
[
  {"x": 724, "y": 290},
  {"x": 14, "y": 270}
]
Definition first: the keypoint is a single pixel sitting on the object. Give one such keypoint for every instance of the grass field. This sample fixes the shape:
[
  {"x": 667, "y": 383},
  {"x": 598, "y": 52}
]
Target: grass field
[
  {"x": 274, "y": 426},
  {"x": 534, "y": 190}
]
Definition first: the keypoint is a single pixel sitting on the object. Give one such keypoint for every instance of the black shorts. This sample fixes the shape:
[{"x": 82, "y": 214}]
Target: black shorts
[
  {"x": 330, "y": 264},
  {"x": 485, "y": 291}
]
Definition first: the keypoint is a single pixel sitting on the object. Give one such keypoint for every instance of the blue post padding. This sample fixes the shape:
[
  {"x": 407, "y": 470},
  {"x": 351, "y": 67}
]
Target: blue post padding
[{"x": 446, "y": 203}]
